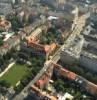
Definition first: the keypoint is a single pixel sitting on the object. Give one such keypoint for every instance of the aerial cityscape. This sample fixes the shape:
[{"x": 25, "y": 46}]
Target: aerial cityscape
[{"x": 48, "y": 50}]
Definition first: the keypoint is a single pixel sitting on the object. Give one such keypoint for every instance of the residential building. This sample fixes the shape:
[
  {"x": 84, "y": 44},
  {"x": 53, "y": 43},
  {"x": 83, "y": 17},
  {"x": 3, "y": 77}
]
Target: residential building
[
  {"x": 12, "y": 42},
  {"x": 71, "y": 54},
  {"x": 4, "y": 24},
  {"x": 5, "y": 7}
]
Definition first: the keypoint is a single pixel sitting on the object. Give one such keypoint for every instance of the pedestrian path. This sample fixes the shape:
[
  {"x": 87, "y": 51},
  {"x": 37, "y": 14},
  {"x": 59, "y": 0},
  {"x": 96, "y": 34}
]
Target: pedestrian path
[{"x": 9, "y": 66}]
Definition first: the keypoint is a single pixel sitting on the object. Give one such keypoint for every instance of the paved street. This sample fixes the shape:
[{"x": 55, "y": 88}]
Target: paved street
[{"x": 56, "y": 57}]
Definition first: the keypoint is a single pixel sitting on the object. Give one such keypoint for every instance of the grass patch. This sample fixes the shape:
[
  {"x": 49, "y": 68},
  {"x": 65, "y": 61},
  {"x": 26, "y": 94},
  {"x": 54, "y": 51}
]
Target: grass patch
[{"x": 14, "y": 74}]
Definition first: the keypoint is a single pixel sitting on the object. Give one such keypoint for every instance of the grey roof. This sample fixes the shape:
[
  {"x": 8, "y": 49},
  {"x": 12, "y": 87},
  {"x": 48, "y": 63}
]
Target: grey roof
[{"x": 5, "y": 8}]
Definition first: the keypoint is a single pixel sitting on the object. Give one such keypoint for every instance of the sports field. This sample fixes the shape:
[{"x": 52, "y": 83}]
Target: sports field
[{"x": 14, "y": 74}]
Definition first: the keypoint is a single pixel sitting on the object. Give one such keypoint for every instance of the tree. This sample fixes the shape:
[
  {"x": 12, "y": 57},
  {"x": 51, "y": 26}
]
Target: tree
[
  {"x": 14, "y": 25},
  {"x": 1, "y": 30},
  {"x": 4, "y": 84},
  {"x": 24, "y": 81},
  {"x": 59, "y": 85},
  {"x": 77, "y": 96},
  {"x": 1, "y": 42},
  {"x": 15, "y": 22},
  {"x": 67, "y": 99},
  {"x": 89, "y": 75},
  {"x": 18, "y": 88},
  {"x": 52, "y": 29}
]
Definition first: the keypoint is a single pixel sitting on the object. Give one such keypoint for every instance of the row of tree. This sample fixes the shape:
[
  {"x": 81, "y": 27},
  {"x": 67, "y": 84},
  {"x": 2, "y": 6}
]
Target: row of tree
[{"x": 83, "y": 72}]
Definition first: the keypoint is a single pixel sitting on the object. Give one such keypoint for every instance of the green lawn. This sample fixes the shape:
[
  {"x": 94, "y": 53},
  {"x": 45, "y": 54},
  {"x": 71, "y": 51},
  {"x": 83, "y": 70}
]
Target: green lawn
[{"x": 15, "y": 74}]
